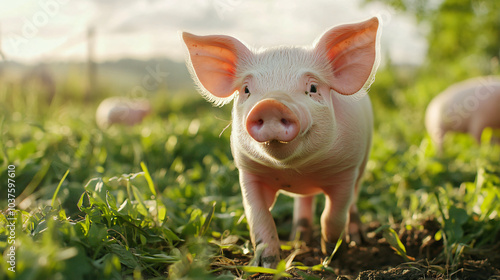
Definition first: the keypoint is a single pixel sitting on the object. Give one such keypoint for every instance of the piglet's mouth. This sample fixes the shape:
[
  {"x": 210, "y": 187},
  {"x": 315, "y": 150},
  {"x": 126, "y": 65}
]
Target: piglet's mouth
[
  {"x": 274, "y": 143},
  {"x": 278, "y": 149}
]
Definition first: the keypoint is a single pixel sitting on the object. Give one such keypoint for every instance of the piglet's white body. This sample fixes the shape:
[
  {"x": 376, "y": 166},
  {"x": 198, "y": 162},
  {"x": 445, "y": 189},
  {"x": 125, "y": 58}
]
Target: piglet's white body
[
  {"x": 469, "y": 107},
  {"x": 121, "y": 110},
  {"x": 302, "y": 123}
]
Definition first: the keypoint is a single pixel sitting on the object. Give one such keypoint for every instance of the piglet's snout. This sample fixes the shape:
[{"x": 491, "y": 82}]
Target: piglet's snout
[{"x": 271, "y": 120}]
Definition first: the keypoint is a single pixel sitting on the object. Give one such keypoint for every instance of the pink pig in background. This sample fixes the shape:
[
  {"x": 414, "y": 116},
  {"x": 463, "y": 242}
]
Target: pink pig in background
[
  {"x": 121, "y": 110},
  {"x": 469, "y": 107},
  {"x": 301, "y": 123}
]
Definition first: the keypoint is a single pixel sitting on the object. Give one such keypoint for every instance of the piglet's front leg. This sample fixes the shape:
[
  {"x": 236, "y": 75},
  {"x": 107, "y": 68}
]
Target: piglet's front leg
[
  {"x": 257, "y": 201},
  {"x": 335, "y": 217}
]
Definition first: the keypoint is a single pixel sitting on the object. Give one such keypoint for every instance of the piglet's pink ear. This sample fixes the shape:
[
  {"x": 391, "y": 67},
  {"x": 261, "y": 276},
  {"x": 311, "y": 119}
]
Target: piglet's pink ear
[
  {"x": 213, "y": 61},
  {"x": 351, "y": 51}
]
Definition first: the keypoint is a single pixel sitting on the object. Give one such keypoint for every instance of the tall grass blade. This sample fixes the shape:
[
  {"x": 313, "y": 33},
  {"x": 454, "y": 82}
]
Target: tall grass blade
[
  {"x": 148, "y": 178},
  {"x": 57, "y": 189}
]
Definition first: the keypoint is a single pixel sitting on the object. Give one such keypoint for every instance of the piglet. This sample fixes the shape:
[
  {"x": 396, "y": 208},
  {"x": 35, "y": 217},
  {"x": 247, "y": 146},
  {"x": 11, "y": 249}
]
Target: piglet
[
  {"x": 469, "y": 107},
  {"x": 121, "y": 110},
  {"x": 301, "y": 123}
]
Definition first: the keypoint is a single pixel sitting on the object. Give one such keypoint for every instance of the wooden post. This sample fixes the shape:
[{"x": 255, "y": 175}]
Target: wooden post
[{"x": 91, "y": 66}]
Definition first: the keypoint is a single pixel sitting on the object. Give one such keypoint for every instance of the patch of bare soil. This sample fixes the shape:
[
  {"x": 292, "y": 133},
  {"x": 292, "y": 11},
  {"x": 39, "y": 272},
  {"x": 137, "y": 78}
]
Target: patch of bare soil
[{"x": 376, "y": 260}]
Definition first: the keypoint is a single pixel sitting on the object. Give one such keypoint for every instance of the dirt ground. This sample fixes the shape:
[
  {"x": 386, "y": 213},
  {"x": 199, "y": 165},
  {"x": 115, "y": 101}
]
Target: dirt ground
[{"x": 376, "y": 260}]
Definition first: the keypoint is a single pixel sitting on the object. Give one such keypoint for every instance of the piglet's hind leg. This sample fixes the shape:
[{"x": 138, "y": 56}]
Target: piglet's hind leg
[{"x": 303, "y": 211}]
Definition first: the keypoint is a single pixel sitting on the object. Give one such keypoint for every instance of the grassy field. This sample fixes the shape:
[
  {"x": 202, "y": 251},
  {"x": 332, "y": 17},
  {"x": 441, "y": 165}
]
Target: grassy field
[{"x": 162, "y": 199}]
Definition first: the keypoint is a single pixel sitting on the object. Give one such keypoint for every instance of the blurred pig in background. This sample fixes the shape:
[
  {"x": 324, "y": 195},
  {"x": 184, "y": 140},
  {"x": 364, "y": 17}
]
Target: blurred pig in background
[
  {"x": 468, "y": 107},
  {"x": 121, "y": 110}
]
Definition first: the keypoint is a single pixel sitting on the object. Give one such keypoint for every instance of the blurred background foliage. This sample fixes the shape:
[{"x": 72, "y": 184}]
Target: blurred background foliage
[{"x": 462, "y": 36}]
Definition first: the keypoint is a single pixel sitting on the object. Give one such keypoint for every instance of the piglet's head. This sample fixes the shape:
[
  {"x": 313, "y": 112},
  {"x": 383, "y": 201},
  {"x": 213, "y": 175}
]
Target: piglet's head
[{"x": 282, "y": 92}]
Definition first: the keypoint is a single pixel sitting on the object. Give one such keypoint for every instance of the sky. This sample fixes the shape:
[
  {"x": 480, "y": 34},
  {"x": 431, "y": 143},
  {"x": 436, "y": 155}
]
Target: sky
[{"x": 34, "y": 31}]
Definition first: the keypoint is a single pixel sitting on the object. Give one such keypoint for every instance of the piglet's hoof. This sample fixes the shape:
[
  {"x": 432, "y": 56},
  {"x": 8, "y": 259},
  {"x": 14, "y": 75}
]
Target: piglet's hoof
[{"x": 265, "y": 256}]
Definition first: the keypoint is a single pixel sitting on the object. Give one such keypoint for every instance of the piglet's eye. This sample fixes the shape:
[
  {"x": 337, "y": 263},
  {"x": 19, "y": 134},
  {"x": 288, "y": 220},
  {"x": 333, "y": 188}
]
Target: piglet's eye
[
  {"x": 313, "y": 88},
  {"x": 247, "y": 91}
]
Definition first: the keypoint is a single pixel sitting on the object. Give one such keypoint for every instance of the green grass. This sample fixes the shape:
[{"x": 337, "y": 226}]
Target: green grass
[{"x": 163, "y": 200}]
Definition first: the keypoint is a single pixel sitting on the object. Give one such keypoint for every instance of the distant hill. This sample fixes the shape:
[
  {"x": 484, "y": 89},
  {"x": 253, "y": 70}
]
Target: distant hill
[
  {"x": 131, "y": 72},
  {"x": 120, "y": 75}
]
